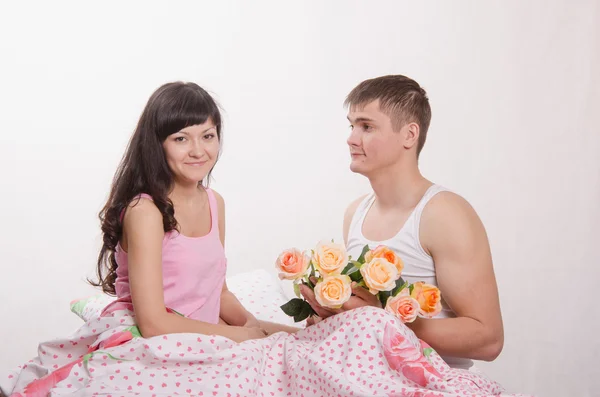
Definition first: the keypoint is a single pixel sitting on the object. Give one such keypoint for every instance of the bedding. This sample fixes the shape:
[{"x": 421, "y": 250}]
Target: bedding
[{"x": 362, "y": 352}]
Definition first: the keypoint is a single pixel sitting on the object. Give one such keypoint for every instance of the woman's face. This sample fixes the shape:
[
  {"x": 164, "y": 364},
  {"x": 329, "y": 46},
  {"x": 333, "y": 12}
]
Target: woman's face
[{"x": 192, "y": 152}]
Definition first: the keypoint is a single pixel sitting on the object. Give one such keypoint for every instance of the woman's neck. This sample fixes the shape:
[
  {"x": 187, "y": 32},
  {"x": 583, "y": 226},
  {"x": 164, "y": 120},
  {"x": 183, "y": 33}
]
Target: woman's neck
[{"x": 185, "y": 193}]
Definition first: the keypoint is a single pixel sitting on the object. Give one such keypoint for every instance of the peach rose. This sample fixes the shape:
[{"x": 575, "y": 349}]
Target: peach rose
[
  {"x": 379, "y": 275},
  {"x": 330, "y": 258},
  {"x": 429, "y": 298},
  {"x": 333, "y": 291},
  {"x": 403, "y": 306},
  {"x": 384, "y": 252},
  {"x": 292, "y": 264}
]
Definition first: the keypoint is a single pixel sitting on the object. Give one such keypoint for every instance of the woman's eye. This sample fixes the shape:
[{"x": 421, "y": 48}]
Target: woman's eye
[
  {"x": 179, "y": 139},
  {"x": 209, "y": 136}
]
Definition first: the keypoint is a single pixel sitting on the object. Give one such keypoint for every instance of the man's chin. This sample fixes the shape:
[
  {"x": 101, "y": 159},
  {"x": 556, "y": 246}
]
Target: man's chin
[{"x": 357, "y": 169}]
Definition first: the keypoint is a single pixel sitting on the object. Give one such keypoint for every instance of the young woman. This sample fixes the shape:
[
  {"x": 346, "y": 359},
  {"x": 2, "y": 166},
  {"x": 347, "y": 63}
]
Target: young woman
[
  {"x": 163, "y": 240},
  {"x": 164, "y": 229}
]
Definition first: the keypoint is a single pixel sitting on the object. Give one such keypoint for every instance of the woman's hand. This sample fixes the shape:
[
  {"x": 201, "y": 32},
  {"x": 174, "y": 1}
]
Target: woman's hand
[
  {"x": 242, "y": 334},
  {"x": 272, "y": 328},
  {"x": 252, "y": 322}
]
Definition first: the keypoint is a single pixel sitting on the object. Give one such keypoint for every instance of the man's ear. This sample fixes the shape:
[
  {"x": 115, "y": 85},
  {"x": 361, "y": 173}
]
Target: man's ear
[{"x": 411, "y": 133}]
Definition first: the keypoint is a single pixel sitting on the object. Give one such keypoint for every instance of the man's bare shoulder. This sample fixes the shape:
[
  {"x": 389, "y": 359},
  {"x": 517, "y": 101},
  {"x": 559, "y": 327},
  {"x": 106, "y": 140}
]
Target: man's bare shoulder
[
  {"x": 349, "y": 214},
  {"x": 449, "y": 204},
  {"x": 446, "y": 218},
  {"x": 351, "y": 209}
]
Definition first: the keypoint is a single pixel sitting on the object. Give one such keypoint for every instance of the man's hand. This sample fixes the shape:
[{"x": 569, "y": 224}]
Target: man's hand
[{"x": 360, "y": 297}]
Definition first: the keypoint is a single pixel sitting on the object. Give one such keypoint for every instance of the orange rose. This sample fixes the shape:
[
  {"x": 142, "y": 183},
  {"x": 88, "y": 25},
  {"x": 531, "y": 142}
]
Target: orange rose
[
  {"x": 384, "y": 252},
  {"x": 429, "y": 298},
  {"x": 403, "y": 306},
  {"x": 292, "y": 264},
  {"x": 330, "y": 258},
  {"x": 379, "y": 275},
  {"x": 333, "y": 291}
]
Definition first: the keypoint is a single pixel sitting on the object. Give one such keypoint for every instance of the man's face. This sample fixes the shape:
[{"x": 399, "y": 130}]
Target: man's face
[{"x": 373, "y": 143}]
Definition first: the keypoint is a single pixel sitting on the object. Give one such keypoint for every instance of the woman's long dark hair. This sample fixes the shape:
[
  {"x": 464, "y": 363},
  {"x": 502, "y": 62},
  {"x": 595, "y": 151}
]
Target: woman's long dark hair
[{"x": 144, "y": 168}]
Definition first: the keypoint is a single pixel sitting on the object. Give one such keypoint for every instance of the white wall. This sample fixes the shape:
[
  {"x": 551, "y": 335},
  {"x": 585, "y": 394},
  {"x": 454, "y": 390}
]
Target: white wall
[{"x": 515, "y": 93}]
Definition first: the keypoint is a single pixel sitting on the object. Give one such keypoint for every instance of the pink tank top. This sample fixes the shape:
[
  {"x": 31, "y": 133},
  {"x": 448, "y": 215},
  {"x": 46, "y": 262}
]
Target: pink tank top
[{"x": 193, "y": 271}]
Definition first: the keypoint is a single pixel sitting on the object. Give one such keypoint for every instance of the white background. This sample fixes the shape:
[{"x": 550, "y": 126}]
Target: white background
[{"x": 515, "y": 92}]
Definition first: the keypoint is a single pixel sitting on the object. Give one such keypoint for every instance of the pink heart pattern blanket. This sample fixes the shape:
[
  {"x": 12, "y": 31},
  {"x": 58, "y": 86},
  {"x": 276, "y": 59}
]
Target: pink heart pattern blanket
[{"x": 363, "y": 352}]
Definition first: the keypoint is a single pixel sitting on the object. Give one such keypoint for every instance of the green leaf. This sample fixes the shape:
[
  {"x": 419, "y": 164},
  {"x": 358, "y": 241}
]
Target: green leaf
[
  {"x": 427, "y": 351},
  {"x": 348, "y": 267},
  {"x": 361, "y": 258},
  {"x": 356, "y": 276},
  {"x": 410, "y": 288},
  {"x": 135, "y": 331},
  {"x": 293, "y": 307},
  {"x": 354, "y": 273},
  {"x": 109, "y": 355},
  {"x": 78, "y": 306},
  {"x": 400, "y": 285},
  {"x": 297, "y": 290},
  {"x": 383, "y": 297},
  {"x": 306, "y": 311},
  {"x": 357, "y": 264},
  {"x": 113, "y": 357},
  {"x": 86, "y": 358}
]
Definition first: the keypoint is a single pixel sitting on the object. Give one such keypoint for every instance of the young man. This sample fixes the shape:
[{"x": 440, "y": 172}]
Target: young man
[{"x": 436, "y": 232}]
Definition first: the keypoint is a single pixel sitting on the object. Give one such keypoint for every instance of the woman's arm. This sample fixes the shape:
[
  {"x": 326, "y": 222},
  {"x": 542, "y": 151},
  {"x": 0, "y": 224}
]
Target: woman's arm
[
  {"x": 143, "y": 236},
  {"x": 233, "y": 312},
  {"x": 272, "y": 328}
]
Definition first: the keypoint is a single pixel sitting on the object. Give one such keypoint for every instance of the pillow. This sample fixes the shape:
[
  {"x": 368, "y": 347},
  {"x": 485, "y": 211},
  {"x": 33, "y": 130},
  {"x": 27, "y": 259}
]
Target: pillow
[
  {"x": 259, "y": 291},
  {"x": 262, "y": 295},
  {"x": 91, "y": 306}
]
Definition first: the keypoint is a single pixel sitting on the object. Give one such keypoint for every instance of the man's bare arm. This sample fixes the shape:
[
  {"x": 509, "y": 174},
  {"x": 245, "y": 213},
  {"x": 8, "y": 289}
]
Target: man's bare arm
[{"x": 453, "y": 234}]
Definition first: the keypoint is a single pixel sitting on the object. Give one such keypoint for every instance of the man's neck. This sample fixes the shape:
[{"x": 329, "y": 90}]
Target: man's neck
[{"x": 400, "y": 187}]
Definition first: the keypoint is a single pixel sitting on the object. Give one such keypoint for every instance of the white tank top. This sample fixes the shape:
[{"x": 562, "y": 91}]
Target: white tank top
[{"x": 418, "y": 265}]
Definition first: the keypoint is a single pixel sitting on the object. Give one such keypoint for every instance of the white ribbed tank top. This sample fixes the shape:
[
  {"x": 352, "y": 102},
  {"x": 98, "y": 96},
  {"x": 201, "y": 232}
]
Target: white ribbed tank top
[{"x": 418, "y": 265}]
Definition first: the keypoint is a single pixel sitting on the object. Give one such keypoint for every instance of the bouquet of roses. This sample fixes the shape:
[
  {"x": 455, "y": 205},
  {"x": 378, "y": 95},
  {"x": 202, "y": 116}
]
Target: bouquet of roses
[{"x": 378, "y": 270}]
